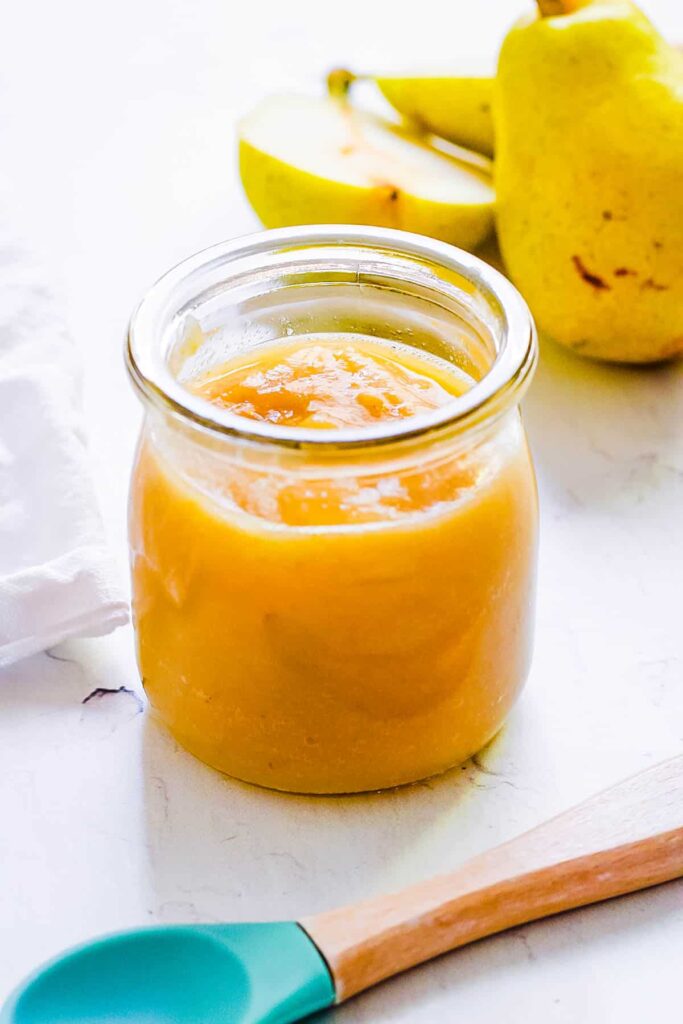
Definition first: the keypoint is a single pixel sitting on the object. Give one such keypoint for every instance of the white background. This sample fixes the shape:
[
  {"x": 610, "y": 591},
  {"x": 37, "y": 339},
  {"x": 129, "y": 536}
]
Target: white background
[{"x": 116, "y": 123}]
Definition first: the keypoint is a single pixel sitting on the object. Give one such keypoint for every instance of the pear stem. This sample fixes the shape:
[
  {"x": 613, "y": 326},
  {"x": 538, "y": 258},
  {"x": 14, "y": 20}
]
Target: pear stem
[
  {"x": 551, "y": 8},
  {"x": 339, "y": 82}
]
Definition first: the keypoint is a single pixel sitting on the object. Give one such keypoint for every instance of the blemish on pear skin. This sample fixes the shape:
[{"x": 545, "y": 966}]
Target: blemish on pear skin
[
  {"x": 649, "y": 282},
  {"x": 611, "y": 215},
  {"x": 625, "y": 272},
  {"x": 594, "y": 280}
]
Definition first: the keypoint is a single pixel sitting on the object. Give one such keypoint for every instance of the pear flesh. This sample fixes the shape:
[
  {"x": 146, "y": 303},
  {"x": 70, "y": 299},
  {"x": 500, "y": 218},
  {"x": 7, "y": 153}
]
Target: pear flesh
[
  {"x": 456, "y": 108},
  {"x": 588, "y": 112},
  {"x": 305, "y": 160}
]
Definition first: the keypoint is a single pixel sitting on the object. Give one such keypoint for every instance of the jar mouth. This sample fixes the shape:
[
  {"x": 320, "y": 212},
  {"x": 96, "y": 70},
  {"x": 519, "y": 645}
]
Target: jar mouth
[{"x": 451, "y": 275}]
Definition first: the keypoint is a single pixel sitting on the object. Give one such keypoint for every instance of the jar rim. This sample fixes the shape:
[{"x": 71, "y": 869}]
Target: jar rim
[{"x": 500, "y": 387}]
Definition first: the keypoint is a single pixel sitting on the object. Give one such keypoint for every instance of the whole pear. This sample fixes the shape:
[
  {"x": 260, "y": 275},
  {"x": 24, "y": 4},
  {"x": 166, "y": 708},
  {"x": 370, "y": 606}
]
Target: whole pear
[{"x": 588, "y": 118}]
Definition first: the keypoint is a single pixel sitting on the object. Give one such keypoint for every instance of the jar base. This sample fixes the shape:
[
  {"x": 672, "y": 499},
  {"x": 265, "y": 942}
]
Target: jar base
[{"x": 301, "y": 789}]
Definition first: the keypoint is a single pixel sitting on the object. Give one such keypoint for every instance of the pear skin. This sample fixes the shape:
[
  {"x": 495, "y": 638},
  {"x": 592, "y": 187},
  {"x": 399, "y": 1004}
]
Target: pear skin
[
  {"x": 588, "y": 116},
  {"x": 456, "y": 108}
]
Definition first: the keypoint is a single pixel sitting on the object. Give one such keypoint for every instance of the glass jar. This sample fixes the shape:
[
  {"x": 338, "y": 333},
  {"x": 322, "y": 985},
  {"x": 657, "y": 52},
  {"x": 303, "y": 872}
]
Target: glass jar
[{"x": 333, "y": 611}]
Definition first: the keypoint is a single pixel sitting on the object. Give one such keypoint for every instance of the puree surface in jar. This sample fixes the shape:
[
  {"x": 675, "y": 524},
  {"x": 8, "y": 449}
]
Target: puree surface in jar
[
  {"x": 334, "y": 624},
  {"x": 332, "y": 381}
]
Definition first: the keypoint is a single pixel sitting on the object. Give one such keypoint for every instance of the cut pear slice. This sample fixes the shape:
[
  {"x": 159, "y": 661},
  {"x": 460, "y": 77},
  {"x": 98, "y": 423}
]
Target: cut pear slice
[
  {"x": 458, "y": 108},
  {"x": 310, "y": 161}
]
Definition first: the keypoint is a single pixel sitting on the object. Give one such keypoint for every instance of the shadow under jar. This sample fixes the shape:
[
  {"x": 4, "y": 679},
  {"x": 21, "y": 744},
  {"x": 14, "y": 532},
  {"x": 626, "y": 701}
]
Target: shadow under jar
[{"x": 331, "y": 611}]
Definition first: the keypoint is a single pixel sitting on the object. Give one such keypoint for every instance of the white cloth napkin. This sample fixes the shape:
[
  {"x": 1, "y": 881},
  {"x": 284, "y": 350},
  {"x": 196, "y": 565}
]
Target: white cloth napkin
[{"x": 56, "y": 578}]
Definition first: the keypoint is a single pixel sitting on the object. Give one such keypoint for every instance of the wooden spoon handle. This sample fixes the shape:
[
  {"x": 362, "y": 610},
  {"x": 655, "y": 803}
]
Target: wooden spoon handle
[{"x": 626, "y": 838}]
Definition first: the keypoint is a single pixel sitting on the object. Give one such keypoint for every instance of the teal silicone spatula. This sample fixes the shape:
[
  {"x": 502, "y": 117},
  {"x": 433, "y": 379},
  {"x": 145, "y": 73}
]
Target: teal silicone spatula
[{"x": 627, "y": 838}]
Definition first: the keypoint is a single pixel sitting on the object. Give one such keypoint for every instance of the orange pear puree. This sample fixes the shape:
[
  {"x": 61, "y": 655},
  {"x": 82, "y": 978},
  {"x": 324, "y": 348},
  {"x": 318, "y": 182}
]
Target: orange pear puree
[
  {"x": 336, "y": 382},
  {"x": 342, "y": 628}
]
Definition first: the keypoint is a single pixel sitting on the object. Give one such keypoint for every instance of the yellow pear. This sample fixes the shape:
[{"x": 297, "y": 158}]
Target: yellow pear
[
  {"x": 307, "y": 160},
  {"x": 588, "y": 112},
  {"x": 458, "y": 108}
]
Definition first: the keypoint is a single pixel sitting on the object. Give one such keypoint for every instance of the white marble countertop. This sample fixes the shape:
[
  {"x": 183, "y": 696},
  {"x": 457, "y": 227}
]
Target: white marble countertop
[{"x": 117, "y": 128}]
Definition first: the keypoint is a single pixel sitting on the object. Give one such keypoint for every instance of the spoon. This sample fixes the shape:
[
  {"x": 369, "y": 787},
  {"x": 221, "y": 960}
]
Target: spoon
[{"x": 626, "y": 838}]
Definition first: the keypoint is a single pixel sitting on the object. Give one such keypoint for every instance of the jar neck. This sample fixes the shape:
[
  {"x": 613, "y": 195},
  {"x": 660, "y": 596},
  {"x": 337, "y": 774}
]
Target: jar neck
[
  {"x": 254, "y": 290},
  {"x": 181, "y": 441}
]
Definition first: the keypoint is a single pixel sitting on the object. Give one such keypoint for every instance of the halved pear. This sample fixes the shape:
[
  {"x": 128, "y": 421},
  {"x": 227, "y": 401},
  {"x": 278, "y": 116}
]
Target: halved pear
[
  {"x": 458, "y": 108},
  {"x": 310, "y": 161}
]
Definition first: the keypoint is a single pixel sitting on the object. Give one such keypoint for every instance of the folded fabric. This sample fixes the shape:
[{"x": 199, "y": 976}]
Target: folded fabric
[{"x": 56, "y": 578}]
